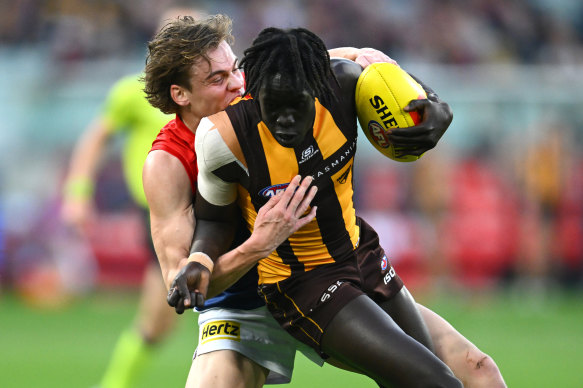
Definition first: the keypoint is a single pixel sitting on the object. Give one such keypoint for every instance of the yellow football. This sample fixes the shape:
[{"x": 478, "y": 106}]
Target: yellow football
[{"x": 382, "y": 91}]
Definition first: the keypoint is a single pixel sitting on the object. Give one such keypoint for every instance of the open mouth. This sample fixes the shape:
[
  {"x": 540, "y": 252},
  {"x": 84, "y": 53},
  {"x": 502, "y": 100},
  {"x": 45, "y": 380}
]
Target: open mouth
[{"x": 285, "y": 139}]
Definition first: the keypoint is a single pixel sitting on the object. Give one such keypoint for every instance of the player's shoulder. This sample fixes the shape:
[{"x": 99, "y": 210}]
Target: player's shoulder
[
  {"x": 162, "y": 166},
  {"x": 167, "y": 184},
  {"x": 346, "y": 72},
  {"x": 219, "y": 122},
  {"x": 342, "y": 66},
  {"x": 216, "y": 141},
  {"x": 159, "y": 160}
]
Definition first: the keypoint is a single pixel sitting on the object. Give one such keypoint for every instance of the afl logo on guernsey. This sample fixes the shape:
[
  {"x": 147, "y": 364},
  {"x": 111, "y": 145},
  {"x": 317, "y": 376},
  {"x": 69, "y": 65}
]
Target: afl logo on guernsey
[
  {"x": 384, "y": 263},
  {"x": 271, "y": 191}
]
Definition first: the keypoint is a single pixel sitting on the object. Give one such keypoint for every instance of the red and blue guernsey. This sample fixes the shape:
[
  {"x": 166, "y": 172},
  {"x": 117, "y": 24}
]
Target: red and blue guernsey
[{"x": 176, "y": 139}]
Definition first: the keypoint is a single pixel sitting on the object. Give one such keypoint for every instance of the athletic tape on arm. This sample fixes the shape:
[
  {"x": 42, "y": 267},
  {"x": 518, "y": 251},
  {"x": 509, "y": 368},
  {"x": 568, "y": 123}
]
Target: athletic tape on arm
[{"x": 212, "y": 153}]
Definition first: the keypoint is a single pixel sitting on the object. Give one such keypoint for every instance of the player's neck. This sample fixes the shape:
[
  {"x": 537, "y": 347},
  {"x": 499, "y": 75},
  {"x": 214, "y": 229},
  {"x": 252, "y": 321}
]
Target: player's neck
[{"x": 190, "y": 120}]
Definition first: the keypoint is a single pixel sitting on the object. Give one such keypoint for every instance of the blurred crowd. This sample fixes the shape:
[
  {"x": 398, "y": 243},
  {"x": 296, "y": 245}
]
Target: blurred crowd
[
  {"x": 435, "y": 31},
  {"x": 482, "y": 218},
  {"x": 499, "y": 210}
]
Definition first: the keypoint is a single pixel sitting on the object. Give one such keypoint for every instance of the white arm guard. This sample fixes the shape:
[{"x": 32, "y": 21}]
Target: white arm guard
[{"x": 212, "y": 153}]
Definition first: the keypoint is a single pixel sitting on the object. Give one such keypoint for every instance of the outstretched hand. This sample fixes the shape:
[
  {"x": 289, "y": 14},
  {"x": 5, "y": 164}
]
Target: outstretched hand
[{"x": 436, "y": 117}]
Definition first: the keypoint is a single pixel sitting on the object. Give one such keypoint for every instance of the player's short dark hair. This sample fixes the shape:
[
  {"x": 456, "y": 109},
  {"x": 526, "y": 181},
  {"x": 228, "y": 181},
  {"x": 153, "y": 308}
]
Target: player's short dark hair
[
  {"x": 297, "y": 53},
  {"x": 174, "y": 49}
]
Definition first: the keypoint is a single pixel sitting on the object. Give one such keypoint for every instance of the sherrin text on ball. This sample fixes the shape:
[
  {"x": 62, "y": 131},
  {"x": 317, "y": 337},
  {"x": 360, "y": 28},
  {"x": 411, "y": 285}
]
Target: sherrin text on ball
[{"x": 382, "y": 91}]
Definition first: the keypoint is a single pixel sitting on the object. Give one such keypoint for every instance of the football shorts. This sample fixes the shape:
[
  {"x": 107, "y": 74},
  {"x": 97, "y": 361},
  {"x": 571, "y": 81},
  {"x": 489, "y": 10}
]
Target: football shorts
[{"x": 255, "y": 335}]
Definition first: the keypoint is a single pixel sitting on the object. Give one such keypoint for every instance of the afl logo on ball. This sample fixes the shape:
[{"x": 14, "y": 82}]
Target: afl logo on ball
[
  {"x": 384, "y": 263},
  {"x": 378, "y": 133}
]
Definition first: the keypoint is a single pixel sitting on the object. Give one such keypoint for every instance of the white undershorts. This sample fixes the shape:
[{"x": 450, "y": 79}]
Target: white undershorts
[{"x": 254, "y": 334}]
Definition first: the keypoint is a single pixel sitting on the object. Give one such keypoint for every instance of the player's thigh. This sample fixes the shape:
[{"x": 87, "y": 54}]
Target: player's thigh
[
  {"x": 365, "y": 337},
  {"x": 403, "y": 309},
  {"x": 225, "y": 369},
  {"x": 252, "y": 333}
]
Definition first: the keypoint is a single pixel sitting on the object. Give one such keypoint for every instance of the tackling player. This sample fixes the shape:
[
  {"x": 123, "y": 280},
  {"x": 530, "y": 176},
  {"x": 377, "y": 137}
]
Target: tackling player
[{"x": 181, "y": 80}]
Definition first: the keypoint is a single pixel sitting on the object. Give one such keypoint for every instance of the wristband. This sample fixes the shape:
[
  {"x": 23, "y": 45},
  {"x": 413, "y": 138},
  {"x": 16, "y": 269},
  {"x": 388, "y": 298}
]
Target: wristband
[
  {"x": 79, "y": 188},
  {"x": 203, "y": 259}
]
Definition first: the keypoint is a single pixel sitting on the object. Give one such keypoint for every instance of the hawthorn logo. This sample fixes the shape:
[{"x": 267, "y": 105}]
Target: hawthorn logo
[
  {"x": 216, "y": 330},
  {"x": 344, "y": 176}
]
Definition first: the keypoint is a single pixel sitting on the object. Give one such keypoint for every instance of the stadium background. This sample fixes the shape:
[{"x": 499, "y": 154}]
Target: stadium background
[{"x": 487, "y": 229}]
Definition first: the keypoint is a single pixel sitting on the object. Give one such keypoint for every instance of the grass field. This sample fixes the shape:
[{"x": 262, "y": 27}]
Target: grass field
[{"x": 536, "y": 342}]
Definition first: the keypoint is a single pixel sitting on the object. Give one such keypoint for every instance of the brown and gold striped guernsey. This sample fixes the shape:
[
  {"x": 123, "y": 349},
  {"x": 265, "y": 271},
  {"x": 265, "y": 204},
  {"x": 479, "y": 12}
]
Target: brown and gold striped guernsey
[{"x": 327, "y": 153}]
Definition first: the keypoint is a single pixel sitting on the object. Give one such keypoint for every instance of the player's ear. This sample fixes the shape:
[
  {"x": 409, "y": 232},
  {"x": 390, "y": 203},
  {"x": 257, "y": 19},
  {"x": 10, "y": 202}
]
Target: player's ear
[{"x": 179, "y": 95}]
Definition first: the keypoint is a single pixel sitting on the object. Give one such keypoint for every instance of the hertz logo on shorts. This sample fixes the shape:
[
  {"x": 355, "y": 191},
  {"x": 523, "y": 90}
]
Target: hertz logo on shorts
[{"x": 217, "y": 330}]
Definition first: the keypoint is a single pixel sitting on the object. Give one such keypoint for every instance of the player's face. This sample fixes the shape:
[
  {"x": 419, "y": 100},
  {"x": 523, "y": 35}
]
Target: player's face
[
  {"x": 287, "y": 112},
  {"x": 214, "y": 87}
]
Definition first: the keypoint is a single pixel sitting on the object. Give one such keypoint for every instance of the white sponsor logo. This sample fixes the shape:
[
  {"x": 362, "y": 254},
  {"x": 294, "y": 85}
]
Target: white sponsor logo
[
  {"x": 308, "y": 153},
  {"x": 389, "y": 275},
  {"x": 328, "y": 294}
]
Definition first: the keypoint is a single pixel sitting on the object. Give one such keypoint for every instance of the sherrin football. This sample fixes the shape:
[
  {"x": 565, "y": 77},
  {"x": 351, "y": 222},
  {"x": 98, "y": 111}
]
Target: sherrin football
[{"x": 382, "y": 91}]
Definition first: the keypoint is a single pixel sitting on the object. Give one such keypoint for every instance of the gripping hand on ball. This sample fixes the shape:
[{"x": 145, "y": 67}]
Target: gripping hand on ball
[
  {"x": 189, "y": 287},
  {"x": 436, "y": 116}
]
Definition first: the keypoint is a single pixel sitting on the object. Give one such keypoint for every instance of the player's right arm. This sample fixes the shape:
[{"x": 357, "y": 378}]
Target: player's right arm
[
  {"x": 170, "y": 199},
  {"x": 362, "y": 56}
]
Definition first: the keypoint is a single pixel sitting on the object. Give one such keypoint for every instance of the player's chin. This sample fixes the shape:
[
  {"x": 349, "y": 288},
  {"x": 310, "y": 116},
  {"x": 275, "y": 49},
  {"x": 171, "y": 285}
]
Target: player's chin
[{"x": 233, "y": 96}]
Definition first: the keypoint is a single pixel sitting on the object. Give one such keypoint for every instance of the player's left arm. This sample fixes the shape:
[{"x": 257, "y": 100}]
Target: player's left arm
[{"x": 436, "y": 114}]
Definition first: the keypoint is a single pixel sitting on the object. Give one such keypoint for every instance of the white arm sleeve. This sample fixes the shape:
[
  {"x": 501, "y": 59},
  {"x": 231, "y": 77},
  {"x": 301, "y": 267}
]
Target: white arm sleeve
[{"x": 212, "y": 153}]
